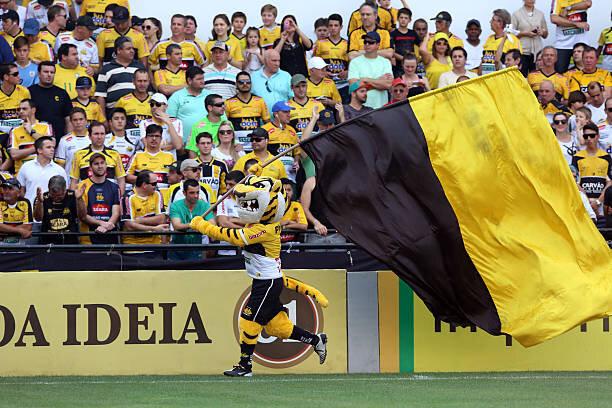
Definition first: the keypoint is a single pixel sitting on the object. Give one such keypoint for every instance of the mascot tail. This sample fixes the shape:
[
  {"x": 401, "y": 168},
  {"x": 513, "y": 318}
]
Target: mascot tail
[{"x": 305, "y": 289}]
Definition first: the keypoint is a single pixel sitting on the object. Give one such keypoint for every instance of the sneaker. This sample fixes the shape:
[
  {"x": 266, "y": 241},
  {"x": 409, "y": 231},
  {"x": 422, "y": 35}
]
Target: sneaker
[
  {"x": 321, "y": 347},
  {"x": 239, "y": 371}
]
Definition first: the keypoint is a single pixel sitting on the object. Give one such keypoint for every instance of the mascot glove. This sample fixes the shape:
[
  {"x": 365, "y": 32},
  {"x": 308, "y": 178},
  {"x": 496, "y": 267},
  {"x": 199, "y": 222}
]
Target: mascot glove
[
  {"x": 256, "y": 169},
  {"x": 200, "y": 224}
]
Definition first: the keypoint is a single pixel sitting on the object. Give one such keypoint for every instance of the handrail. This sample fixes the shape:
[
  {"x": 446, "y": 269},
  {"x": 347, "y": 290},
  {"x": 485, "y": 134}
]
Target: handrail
[
  {"x": 157, "y": 247},
  {"x": 141, "y": 233}
]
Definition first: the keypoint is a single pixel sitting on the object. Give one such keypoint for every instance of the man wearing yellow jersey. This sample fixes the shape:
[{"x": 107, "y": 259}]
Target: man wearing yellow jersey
[
  {"x": 580, "y": 80},
  {"x": 270, "y": 31},
  {"x": 245, "y": 110},
  {"x": 96, "y": 8},
  {"x": 368, "y": 20},
  {"x": 68, "y": 70},
  {"x": 152, "y": 159},
  {"x": 383, "y": 18},
  {"x": 84, "y": 100},
  {"x": 500, "y": 20},
  {"x": 106, "y": 39},
  {"x": 15, "y": 214},
  {"x": 10, "y": 27},
  {"x": 259, "y": 141},
  {"x": 80, "y": 163},
  {"x": 319, "y": 87},
  {"x": 443, "y": 22},
  {"x": 334, "y": 51},
  {"x": 301, "y": 103},
  {"x": 548, "y": 72},
  {"x": 212, "y": 171},
  {"x": 605, "y": 48},
  {"x": 191, "y": 53},
  {"x": 39, "y": 50},
  {"x": 22, "y": 138},
  {"x": 172, "y": 78},
  {"x": 550, "y": 105},
  {"x": 282, "y": 137},
  {"x": 136, "y": 103},
  {"x": 58, "y": 17},
  {"x": 11, "y": 95}
]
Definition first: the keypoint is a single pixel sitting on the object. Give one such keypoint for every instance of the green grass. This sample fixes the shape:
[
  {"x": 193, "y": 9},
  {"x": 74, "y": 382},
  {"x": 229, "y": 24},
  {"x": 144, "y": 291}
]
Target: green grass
[{"x": 533, "y": 390}]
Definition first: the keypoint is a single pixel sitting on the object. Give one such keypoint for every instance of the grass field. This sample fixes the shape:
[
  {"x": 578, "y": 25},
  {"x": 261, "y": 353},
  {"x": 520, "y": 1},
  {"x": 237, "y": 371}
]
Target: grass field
[{"x": 533, "y": 390}]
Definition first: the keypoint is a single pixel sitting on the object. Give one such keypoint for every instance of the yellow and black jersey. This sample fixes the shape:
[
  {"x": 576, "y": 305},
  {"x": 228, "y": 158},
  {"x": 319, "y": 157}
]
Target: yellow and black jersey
[
  {"x": 490, "y": 50},
  {"x": 334, "y": 54},
  {"x": 579, "y": 80},
  {"x": 281, "y": 139},
  {"x": 261, "y": 243},
  {"x": 384, "y": 20},
  {"x": 11, "y": 39},
  {"x": 4, "y": 176},
  {"x": 9, "y": 107},
  {"x": 242, "y": 41},
  {"x": 213, "y": 175},
  {"x": 106, "y": 44},
  {"x": 158, "y": 163},
  {"x": 536, "y": 78},
  {"x": 326, "y": 88},
  {"x": 235, "y": 51},
  {"x": 47, "y": 36},
  {"x": 356, "y": 42},
  {"x": 276, "y": 169},
  {"x": 137, "y": 110},
  {"x": 80, "y": 164},
  {"x": 95, "y": 9},
  {"x": 268, "y": 36},
  {"x": 594, "y": 171},
  {"x": 92, "y": 109},
  {"x": 17, "y": 214},
  {"x": 453, "y": 41},
  {"x": 41, "y": 51},
  {"x": 66, "y": 78},
  {"x": 175, "y": 192},
  {"x": 301, "y": 114},
  {"x": 167, "y": 77},
  {"x": 246, "y": 116},
  {"x": 20, "y": 139},
  {"x": 295, "y": 213},
  {"x": 192, "y": 54},
  {"x": 136, "y": 206}
]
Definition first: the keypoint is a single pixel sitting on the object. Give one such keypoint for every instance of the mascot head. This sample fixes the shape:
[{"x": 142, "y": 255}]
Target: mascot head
[{"x": 261, "y": 200}]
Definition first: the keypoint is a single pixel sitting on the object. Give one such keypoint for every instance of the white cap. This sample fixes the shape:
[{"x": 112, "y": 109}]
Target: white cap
[
  {"x": 316, "y": 62},
  {"x": 159, "y": 98}
]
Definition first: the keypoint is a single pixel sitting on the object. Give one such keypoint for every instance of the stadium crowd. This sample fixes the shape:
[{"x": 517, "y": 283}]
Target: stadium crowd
[{"x": 107, "y": 125}]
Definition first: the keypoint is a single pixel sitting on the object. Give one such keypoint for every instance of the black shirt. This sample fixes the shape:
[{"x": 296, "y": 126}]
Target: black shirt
[
  {"x": 608, "y": 203},
  {"x": 53, "y": 106},
  {"x": 402, "y": 42},
  {"x": 293, "y": 57},
  {"x": 60, "y": 217}
]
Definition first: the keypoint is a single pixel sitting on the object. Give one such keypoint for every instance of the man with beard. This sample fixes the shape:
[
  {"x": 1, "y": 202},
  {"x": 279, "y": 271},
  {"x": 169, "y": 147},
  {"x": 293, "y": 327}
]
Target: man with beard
[{"x": 359, "y": 95}]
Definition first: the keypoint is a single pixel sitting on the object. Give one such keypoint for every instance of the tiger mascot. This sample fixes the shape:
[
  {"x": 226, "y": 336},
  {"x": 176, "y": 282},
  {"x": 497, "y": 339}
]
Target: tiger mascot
[{"x": 261, "y": 205}]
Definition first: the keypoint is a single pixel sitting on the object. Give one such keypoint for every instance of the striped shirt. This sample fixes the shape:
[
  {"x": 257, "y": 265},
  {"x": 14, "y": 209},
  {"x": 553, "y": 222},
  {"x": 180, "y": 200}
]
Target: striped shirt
[
  {"x": 221, "y": 82},
  {"x": 115, "y": 81}
]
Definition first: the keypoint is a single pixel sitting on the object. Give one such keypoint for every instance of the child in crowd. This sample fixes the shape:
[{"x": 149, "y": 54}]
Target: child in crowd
[
  {"x": 239, "y": 21},
  {"x": 270, "y": 31},
  {"x": 253, "y": 53},
  {"x": 403, "y": 40}
]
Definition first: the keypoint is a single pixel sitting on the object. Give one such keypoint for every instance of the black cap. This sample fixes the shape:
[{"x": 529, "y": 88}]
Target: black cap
[
  {"x": 12, "y": 182},
  {"x": 10, "y": 15},
  {"x": 473, "y": 22},
  {"x": 83, "y": 82},
  {"x": 443, "y": 15},
  {"x": 95, "y": 156},
  {"x": 86, "y": 21},
  {"x": 259, "y": 132},
  {"x": 137, "y": 21},
  {"x": 372, "y": 35},
  {"x": 327, "y": 117},
  {"x": 120, "y": 14}
]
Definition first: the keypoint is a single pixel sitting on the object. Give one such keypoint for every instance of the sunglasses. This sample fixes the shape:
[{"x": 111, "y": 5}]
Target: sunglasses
[
  {"x": 156, "y": 104},
  {"x": 218, "y": 105},
  {"x": 14, "y": 74},
  {"x": 154, "y": 184},
  {"x": 267, "y": 87},
  {"x": 241, "y": 82},
  {"x": 193, "y": 169},
  {"x": 560, "y": 122},
  {"x": 369, "y": 42},
  {"x": 609, "y": 110},
  {"x": 590, "y": 135},
  {"x": 147, "y": 27},
  {"x": 226, "y": 132},
  {"x": 257, "y": 139}
]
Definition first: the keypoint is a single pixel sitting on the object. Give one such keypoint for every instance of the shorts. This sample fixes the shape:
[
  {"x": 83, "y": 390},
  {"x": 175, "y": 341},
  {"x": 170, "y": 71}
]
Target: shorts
[{"x": 264, "y": 302}]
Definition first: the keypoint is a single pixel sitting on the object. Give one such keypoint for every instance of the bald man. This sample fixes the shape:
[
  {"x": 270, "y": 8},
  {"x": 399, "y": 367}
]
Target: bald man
[
  {"x": 547, "y": 98},
  {"x": 270, "y": 82}
]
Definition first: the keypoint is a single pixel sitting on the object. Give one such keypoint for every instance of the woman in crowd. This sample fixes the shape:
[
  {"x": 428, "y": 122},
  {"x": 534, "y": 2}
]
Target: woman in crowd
[
  {"x": 567, "y": 142},
  {"x": 416, "y": 84},
  {"x": 437, "y": 60},
  {"x": 227, "y": 150},
  {"x": 531, "y": 24},
  {"x": 221, "y": 32},
  {"x": 292, "y": 47},
  {"x": 152, "y": 29}
]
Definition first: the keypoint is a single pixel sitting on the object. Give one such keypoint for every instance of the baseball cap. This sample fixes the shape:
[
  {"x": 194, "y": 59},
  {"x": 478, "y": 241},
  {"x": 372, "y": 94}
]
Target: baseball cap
[
  {"x": 137, "y": 21},
  {"x": 31, "y": 26},
  {"x": 317, "y": 62},
  {"x": 83, "y": 82},
  {"x": 12, "y": 182},
  {"x": 86, "y": 21},
  {"x": 372, "y": 35},
  {"x": 398, "y": 81},
  {"x": 281, "y": 106},
  {"x": 120, "y": 14},
  {"x": 327, "y": 117},
  {"x": 358, "y": 84},
  {"x": 297, "y": 78},
  {"x": 443, "y": 15},
  {"x": 96, "y": 156},
  {"x": 10, "y": 15},
  {"x": 187, "y": 163},
  {"x": 259, "y": 132},
  {"x": 220, "y": 45},
  {"x": 159, "y": 98},
  {"x": 473, "y": 22},
  {"x": 440, "y": 36}
]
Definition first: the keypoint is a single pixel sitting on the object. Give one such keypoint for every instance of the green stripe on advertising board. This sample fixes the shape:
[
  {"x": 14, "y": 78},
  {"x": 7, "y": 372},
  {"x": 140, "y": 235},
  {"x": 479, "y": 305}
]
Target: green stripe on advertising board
[{"x": 406, "y": 328}]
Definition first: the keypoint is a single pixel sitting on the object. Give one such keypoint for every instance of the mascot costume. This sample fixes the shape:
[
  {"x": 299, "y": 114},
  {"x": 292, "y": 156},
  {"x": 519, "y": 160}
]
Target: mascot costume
[{"x": 261, "y": 205}]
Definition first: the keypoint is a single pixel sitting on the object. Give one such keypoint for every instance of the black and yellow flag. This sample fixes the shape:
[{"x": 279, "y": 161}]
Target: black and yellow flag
[{"x": 465, "y": 194}]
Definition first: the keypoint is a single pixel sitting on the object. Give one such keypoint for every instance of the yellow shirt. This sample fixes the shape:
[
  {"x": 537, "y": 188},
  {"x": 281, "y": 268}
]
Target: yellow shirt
[
  {"x": 135, "y": 206},
  {"x": 136, "y": 110},
  {"x": 242, "y": 41},
  {"x": 80, "y": 164},
  {"x": 453, "y": 41},
  {"x": 156, "y": 162},
  {"x": 536, "y": 78},
  {"x": 235, "y": 52},
  {"x": 275, "y": 170},
  {"x": 10, "y": 39},
  {"x": 246, "y": 116},
  {"x": 41, "y": 51},
  {"x": 295, "y": 213},
  {"x": 326, "y": 88},
  {"x": 9, "y": 107},
  {"x": 490, "y": 49},
  {"x": 65, "y": 78},
  {"x": 106, "y": 44},
  {"x": 336, "y": 55},
  {"x": 579, "y": 80},
  {"x": 192, "y": 54},
  {"x": 20, "y": 139},
  {"x": 92, "y": 110},
  {"x": 435, "y": 69},
  {"x": 167, "y": 77},
  {"x": 47, "y": 36},
  {"x": 356, "y": 42},
  {"x": 301, "y": 114},
  {"x": 95, "y": 9},
  {"x": 385, "y": 20},
  {"x": 268, "y": 36},
  {"x": 17, "y": 214}
]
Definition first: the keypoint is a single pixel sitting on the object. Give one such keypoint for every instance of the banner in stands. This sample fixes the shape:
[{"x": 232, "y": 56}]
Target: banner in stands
[{"x": 154, "y": 322}]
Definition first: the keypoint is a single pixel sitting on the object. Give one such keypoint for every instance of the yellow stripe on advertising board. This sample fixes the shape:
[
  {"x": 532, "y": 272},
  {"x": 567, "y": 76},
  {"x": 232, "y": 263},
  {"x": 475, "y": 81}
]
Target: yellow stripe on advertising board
[
  {"x": 154, "y": 322},
  {"x": 388, "y": 322}
]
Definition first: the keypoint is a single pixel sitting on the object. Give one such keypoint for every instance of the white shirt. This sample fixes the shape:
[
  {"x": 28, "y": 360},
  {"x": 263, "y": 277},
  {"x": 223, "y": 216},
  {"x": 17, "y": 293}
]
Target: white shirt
[
  {"x": 33, "y": 175},
  {"x": 221, "y": 82},
  {"x": 87, "y": 49},
  {"x": 37, "y": 11},
  {"x": 598, "y": 115},
  {"x": 474, "y": 54},
  {"x": 166, "y": 137},
  {"x": 227, "y": 208},
  {"x": 449, "y": 78},
  {"x": 68, "y": 145},
  {"x": 605, "y": 137}
]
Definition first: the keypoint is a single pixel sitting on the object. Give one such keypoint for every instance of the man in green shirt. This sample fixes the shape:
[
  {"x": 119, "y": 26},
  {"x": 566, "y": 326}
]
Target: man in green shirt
[
  {"x": 181, "y": 214},
  {"x": 216, "y": 115}
]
